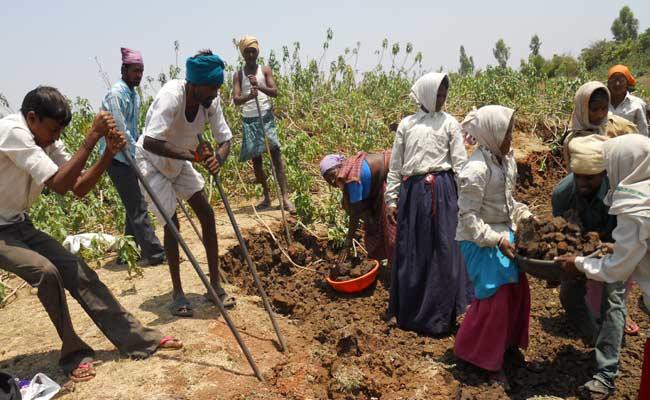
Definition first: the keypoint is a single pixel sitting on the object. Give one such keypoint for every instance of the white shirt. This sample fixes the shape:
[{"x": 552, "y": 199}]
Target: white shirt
[
  {"x": 25, "y": 167},
  {"x": 424, "y": 143},
  {"x": 166, "y": 121},
  {"x": 487, "y": 209},
  {"x": 631, "y": 255},
  {"x": 632, "y": 109}
]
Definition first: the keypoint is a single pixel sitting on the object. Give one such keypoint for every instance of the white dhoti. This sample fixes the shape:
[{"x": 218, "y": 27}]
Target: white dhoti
[{"x": 167, "y": 189}]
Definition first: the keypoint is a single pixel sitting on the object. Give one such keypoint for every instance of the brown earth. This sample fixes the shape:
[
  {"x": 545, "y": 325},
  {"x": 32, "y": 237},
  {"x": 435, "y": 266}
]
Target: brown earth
[
  {"x": 339, "y": 345},
  {"x": 548, "y": 237},
  {"x": 353, "y": 268}
]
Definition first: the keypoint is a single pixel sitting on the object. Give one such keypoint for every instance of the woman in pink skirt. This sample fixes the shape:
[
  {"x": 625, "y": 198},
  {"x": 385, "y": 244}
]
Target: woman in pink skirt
[{"x": 497, "y": 321}]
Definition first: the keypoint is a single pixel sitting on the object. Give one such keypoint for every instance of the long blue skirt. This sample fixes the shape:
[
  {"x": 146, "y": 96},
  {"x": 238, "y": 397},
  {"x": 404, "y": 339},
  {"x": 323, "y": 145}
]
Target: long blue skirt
[{"x": 429, "y": 283}]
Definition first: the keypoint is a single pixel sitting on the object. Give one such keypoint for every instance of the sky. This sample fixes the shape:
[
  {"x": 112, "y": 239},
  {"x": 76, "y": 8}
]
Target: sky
[{"x": 56, "y": 42}]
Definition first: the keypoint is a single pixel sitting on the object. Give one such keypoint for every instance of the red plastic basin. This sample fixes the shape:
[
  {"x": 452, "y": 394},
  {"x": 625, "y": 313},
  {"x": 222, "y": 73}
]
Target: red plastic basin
[{"x": 357, "y": 284}]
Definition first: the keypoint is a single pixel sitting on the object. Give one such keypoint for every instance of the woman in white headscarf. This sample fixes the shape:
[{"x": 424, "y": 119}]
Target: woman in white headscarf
[
  {"x": 591, "y": 115},
  {"x": 627, "y": 161},
  {"x": 429, "y": 286},
  {"x": 497, "y": 321}
]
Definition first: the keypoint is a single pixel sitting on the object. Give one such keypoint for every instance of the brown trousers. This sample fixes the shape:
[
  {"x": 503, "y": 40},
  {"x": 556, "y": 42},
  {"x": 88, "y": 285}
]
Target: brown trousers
[{"x": 41, "y": 261}]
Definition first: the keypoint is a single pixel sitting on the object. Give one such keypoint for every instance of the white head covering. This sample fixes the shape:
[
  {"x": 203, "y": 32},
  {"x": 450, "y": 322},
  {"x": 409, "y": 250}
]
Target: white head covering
[
  {"x": 580, "y": 118},
  {"x": 425, "y": 90},
  {"x": 488, "y": 125},
  {"x": 586, "y": 154},
  {"x": 627, "y": 160}
]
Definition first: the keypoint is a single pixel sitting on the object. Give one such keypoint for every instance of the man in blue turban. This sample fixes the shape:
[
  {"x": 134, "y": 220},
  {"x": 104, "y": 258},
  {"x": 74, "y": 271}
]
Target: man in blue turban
[{"x": 165, "y": 153}]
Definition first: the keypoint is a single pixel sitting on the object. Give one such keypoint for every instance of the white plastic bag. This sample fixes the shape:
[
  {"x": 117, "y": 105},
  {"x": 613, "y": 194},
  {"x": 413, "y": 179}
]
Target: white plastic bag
[
  {"x": 74, "y": 243},
  {"x": 40, "y": 388}
]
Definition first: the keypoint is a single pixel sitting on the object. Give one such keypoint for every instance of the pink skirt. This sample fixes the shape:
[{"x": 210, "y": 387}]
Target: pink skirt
[{"x": 493, "y": 325}]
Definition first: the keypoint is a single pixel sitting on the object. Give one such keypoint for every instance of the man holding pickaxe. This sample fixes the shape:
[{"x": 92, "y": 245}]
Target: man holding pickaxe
[
  {"x": 253, "y": 86},
  {"x": 165, "y": 153}
]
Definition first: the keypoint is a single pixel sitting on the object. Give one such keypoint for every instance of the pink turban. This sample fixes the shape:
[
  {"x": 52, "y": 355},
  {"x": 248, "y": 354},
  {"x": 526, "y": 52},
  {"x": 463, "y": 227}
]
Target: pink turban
[{"x": 131, "y": 56}]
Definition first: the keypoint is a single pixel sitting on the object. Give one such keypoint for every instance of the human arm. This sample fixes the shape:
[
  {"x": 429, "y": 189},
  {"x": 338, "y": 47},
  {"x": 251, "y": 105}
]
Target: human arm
[
  {"x": 520, "y": 211},
  {"x": 117, "y": 104},
  {"x": 457, "y": 147},
  {"x": 271, "y": 88},
  {"x": 166, "y": 149},
  {"x": 237, "y": 97},
  {"x": 115, "y": 142},
  {"x": 354, "y": 218},
  {"x": 68, "y": 175},
  {"x": 473, "y": 180},
  {"x": 394, "y": 177},
  {"x": 630, "y": 247},
  {"x": 222, "y": 135},
  {"x": 642, "y": 120}
]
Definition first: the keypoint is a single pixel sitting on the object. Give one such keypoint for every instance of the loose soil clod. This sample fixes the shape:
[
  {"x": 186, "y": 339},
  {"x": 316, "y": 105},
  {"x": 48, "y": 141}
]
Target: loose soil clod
[
  {"x": 354, "y": 268},
  {"x": 550, "y": 237}
]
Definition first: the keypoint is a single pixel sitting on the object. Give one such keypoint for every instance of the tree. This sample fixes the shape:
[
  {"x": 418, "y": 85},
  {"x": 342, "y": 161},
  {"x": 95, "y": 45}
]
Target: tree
[
  {"x": 625, "y": 26},
  {"x": 535, "y": 44},
  {"x": 501, "y": 53},
  {"x": 644, "y": 40},
  {"x": 561, "y": 65},
  {"x": 466, "y": 63}
]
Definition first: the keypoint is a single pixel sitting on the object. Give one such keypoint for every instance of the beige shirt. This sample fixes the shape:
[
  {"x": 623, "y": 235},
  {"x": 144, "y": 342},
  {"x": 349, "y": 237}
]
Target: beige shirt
[
  {"x": 632, "y": 109},
  {"x": 166, "y": 121},
  {"x": 487, "y": 209},
  {"x": 631, "y": 255},
  {"x": 424, "y": 143},
  {"x": 25, "y": 168}
]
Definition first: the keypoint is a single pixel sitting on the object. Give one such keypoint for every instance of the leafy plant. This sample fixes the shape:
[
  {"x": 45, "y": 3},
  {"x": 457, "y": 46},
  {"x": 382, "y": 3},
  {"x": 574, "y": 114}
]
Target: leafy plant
[
  {"x": 128, "y": 252},
  {"x": 326, "y": 106}
]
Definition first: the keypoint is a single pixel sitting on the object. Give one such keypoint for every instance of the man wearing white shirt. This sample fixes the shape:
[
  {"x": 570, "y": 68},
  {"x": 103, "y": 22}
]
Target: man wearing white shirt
[
  {"x": 165, "y": 152},
  {"x": 32, "y": 157}
]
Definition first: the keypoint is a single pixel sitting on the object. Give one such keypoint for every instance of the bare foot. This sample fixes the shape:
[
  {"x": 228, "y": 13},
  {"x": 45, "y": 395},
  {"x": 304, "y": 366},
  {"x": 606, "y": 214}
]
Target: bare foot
[
  {"x": 499, "y": 377},
  {"x": 631, "y": 327},
  {"x": 289, "y": 206}
]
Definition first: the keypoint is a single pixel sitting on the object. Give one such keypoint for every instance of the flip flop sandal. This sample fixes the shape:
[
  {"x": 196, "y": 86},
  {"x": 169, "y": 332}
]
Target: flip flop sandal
[
  {"x": 169, "y": 339},
  {"x": 181, "y": 307},
  {"x": 227, "y": 300},
  {"x": 263, "y": 206},
  {"x": 84, "y": 367}
]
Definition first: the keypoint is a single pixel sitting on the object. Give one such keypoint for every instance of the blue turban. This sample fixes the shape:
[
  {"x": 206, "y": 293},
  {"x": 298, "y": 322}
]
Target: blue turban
[{"x": 204, "y": 70}]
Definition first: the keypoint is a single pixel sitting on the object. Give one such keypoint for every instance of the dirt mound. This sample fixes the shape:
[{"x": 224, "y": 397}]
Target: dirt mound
[
  {"x": 537, "y": 175},
  {"x": 362, "y": 357},
  {"x": 548, "y": 237},
  {"x": 355, "y": 354}
]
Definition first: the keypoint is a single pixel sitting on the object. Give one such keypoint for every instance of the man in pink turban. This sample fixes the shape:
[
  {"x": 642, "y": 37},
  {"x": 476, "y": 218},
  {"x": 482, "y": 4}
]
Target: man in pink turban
[
  {"x": 124, "y": 103},
  {"x": 130, "y": 57}
]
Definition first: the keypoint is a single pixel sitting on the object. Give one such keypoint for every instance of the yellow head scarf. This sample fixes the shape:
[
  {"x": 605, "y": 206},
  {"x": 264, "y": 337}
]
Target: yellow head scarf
[{"x": 248, "y": 41}]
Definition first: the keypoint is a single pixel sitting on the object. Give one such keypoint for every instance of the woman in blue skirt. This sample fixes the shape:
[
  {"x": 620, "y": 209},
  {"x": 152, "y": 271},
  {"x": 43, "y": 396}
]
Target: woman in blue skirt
[{"x": 429, "y": 283}]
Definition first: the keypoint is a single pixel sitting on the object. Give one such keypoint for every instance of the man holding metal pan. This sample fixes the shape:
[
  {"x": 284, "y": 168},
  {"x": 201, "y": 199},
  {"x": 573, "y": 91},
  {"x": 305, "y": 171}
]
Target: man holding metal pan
[{"x": 164, "y": 155}]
